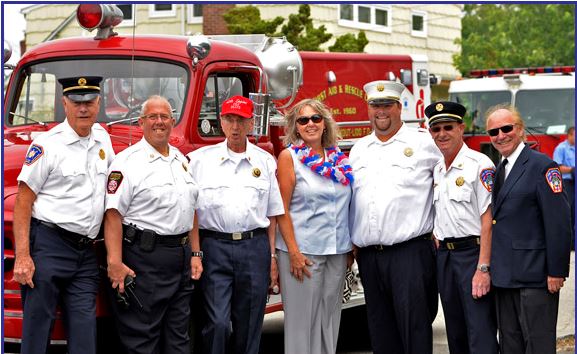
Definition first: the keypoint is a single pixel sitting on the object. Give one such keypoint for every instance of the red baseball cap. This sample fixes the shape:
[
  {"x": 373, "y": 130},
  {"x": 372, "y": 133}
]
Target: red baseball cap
[{"x": 237, "y": 105}]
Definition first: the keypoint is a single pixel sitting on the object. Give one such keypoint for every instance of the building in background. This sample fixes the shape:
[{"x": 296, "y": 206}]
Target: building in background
[{"x": 391, "y": 29}]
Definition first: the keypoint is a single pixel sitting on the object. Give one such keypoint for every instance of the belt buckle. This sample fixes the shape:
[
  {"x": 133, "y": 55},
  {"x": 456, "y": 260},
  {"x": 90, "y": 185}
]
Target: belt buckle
[
  {"x": 379, "y": 247},
  {"x": 183, "y": 240},
  {"x": 236, "y": 236},
  {"x": 450, "y": 246}
]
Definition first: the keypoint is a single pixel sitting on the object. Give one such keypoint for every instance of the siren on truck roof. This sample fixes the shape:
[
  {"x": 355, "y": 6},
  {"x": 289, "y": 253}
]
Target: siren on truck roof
[
  {"x": 529, "y": 71},
  {"x": 101, "y": 16}
]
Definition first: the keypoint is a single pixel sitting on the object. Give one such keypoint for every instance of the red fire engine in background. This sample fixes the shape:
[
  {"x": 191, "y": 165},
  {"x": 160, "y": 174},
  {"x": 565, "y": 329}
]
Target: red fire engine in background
[
  {"x": 544, "y": 96},
  {"x": 195, "y": 74}
]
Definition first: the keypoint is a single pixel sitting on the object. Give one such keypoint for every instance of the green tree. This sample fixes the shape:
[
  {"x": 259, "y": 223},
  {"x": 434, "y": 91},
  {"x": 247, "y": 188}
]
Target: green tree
[
  {"x": 349, "y": 43},
  {"x": 516, "y": 35},
  {"x": 246, "y": 20},
  {"x": 312, "y": 38}
]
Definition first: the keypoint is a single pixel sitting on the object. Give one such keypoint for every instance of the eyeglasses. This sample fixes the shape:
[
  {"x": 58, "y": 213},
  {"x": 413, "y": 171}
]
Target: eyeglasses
[
  {"x": 437, "y": 129},
  {"x": 505, "y": 129},
  {"x": 304, "y": 120},
  {"x": 155, "y": 116}
]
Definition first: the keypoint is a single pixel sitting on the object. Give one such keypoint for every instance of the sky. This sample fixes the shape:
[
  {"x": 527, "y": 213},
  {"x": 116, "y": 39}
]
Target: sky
[{"x": 13, "y": 29}]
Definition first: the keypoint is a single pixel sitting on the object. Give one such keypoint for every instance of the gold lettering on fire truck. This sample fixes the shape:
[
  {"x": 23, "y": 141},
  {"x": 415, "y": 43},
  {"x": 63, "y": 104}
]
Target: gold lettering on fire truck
[
  {"x": 355, "y": 91},
  {"x": 359, "y": 132}
]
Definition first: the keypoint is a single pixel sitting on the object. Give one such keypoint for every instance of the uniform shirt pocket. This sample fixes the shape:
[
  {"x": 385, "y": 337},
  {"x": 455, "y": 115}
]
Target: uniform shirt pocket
[
  {"x": 257, "y": 194},
  {"x": 72, "y": 170},
  {"x": 402, "y": 170},
  {"x": 160, "y": 189},
  {"x": 210, "y": 197}
]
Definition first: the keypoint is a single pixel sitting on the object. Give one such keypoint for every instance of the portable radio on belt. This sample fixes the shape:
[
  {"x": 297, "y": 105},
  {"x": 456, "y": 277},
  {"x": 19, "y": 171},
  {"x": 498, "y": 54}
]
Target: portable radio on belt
[{"x": 147, "y": 240}]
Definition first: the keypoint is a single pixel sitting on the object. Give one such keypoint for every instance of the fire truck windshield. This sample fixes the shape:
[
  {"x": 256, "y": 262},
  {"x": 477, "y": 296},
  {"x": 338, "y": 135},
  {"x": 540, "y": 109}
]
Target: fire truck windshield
[
  {"x": 549, "y": 111},
  {"x": 477, "y": 104},
  {"x": 36, "y": 93}
]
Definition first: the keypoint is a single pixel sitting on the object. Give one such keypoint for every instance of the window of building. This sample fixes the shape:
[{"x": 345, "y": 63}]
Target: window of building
[
  {"x": 162, "y": 10},
  {"x": 419, "y": 24},
  {"x": 128, "y": 12},
  {"x": 367, "y": 17},
  {"x": 194, "y": 13}
]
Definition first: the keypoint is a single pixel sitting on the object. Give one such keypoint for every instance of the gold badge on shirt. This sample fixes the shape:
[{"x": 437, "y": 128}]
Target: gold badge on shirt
[
  {"x": 460, "y": 181},
  {"x": 102, "y": 154},
  {"x": 184, "y": 167},
  {"x": 256, "y": 172},
  {"x": 408, "y": 152}
]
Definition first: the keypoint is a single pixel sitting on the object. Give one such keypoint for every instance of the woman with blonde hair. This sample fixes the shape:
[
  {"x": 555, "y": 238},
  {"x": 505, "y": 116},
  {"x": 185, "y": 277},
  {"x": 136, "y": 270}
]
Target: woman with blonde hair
[{"x": 315, "y": 183}]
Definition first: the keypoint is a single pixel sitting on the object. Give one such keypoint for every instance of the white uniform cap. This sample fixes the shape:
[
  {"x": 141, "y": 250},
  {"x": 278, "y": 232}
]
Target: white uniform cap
[{"x": 382, "y": 91}]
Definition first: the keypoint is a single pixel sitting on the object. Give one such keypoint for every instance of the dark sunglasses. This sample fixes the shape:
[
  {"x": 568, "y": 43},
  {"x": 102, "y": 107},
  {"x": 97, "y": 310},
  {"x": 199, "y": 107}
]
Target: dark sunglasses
[
  {"x": 505, "y": 129},
  {"x": 316, "y": 118},
  {"x": 446, "y": 128}
]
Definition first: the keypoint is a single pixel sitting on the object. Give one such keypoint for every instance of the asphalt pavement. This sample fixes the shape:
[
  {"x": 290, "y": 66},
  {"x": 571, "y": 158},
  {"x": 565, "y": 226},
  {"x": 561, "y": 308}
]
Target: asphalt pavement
[{"x": 565, "y": 320}]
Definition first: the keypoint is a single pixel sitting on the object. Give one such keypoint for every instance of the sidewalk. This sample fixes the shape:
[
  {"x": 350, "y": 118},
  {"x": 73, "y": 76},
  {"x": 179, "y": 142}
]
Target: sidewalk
[{"x": 565, "y": 319}]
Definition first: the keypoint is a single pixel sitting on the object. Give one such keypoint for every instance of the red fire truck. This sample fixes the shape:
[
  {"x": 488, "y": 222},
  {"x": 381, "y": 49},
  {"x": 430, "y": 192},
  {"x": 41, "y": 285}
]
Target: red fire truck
[
  {"x": 544, "y": 96},
  {"x": 195, "y": 74}
]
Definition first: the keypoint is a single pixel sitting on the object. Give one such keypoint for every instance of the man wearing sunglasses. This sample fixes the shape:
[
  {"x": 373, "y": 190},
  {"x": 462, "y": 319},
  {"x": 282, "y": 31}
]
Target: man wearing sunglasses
[
  {"x": 462, "y": 198},
  {"x": 391, "y": 220},
  {"x": 531, "y": 238}
]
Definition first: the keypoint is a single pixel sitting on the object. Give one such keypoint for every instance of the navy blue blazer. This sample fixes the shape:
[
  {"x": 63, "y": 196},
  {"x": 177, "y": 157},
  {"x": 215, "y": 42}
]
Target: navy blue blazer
[{"x": 531, "y": 226}]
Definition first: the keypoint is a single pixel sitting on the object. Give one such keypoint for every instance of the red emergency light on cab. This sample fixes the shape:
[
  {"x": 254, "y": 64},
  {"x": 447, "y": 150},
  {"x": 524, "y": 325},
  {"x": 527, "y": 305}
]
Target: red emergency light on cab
[
  {"x": 104, "y": 17},
  {"x": 529, "y": 71}
]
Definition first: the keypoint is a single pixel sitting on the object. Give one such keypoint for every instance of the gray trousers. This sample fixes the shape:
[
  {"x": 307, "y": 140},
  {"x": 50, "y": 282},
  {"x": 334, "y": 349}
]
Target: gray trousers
[
  {"x": 527, "y": 319},
  {"x": 312, "y": 308}
]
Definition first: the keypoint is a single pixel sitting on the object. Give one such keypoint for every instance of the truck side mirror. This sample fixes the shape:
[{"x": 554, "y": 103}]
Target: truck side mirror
[{"x": 7, "y": 51}]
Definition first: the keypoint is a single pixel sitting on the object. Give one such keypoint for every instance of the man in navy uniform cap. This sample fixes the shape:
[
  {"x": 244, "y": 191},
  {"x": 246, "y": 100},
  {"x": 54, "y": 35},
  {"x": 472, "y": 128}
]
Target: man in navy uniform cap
[
  {"x": 57, "y": 216},
  {"x": 463, "y": 180},
  {"x": 391, "y": 223}
]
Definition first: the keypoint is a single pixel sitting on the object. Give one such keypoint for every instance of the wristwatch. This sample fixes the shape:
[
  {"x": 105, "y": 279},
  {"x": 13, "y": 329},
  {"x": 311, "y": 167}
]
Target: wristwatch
[
  {"x": 484, "y": 268},
  {"x": 197, "y": 254}
]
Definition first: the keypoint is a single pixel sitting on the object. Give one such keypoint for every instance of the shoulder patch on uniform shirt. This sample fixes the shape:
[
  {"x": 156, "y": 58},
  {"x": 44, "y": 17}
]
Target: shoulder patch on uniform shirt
[
  {"x": 553, "y": 177},
  {"x": 33, "y": 154},
  {"x": 114, "y": 180},
  {"x": 487, "y": 177}
]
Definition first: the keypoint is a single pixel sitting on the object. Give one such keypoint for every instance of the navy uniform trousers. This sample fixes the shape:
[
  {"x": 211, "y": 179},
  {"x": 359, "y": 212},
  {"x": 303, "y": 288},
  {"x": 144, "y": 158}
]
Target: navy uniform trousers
[
  {"x": 401, "y": 296},
  {"x": 235, "y": 284},
  {"x": 471, "y": 323},
  {"x": 164, "y": 288},
  {"x": 62, "y": 272}
]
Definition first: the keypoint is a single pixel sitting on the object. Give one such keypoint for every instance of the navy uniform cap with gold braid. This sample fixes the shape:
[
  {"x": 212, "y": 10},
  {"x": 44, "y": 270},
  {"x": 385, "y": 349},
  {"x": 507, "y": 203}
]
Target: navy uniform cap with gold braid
[
  {"x": 82, "y": 88},
  {"x": 445, "y": 111}
]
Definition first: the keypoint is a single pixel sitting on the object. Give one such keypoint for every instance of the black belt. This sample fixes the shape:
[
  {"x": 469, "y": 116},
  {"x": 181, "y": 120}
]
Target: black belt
[
  {"x": 459, "y": 243},
  {"x": 78, "y": 241},
  {"x": 133, "y": 235},
  {"x": 235, "y": 236},
  {"x": 424, "y": 237}
]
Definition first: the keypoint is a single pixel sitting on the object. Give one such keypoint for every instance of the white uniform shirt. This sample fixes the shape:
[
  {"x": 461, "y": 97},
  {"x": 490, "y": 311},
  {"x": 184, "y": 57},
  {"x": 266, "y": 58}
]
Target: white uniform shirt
[
  {"x": 393, "y": 188},
  {"x": 462, "y": 194},
  {"x": 152, "y": 191},
  {"x": 235, "y": 197},
  {"x": 69, "y": 178}
]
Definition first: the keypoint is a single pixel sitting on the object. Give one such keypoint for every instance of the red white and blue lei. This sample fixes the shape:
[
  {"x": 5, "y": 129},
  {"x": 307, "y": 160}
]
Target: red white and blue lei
[{"x": 335, "y": 166}]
